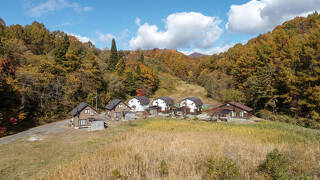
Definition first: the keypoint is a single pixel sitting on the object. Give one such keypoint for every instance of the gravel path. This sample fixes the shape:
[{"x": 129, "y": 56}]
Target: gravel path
[{"x": 51, "y": 128}]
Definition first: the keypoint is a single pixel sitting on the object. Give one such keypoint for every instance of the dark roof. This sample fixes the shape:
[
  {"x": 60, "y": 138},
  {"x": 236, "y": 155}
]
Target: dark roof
[
  {"x": 111, "y": 105},
  {"x": 79, "y": 108},
  {"x": 168, "y": 100},
  {"x": 143, "y": 100},
  {"x": 196, "y": 100},
  {"x": 244, "y": 107}
]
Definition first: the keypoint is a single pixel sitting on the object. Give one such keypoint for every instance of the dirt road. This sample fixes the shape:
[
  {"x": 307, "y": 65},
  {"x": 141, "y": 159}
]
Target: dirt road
[{"x": 51, "y": 128}]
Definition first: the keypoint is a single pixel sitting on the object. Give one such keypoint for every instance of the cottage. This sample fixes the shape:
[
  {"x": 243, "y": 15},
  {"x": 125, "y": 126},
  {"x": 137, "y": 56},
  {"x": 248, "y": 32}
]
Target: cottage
[
  {"x": 116, "y": 110},
  {"x": 231, "y": 110},
  {"x": 192, "y": 105},
  {"x": 83, "y": 115},
  {"x": 139, "y": 103},
  {"x": 163, "y": 104}
]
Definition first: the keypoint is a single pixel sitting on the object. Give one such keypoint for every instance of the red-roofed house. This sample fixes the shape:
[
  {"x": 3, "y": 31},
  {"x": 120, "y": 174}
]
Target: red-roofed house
[{"x": 231, "y": 110}]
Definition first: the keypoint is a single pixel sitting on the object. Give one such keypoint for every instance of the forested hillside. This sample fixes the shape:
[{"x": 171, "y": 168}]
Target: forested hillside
[
  {"x": 45, "y": 74},
  {"x": 275, "y": 73}
]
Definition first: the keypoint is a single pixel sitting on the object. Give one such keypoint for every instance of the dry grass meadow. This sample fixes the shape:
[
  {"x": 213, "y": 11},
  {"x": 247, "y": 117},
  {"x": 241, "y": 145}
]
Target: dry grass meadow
[{"x": 138, "y": 150}]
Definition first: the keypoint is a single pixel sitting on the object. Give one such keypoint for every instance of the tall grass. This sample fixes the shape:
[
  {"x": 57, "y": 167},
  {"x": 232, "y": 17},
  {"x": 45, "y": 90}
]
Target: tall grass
[{"x": 183, "y": 148}]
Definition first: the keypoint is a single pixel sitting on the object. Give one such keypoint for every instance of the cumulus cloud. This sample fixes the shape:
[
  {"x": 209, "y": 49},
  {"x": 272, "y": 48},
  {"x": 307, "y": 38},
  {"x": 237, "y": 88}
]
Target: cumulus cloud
[
  {"x": 54, "y": 5},
  {"x": 182, "y": 30},
  {"x": 260, "y": 16},
  {"x": 83, "y": 39},
  {"x": 105, "y": 39},
  {"x": 210, "y": 51},
  {"x": 138, "y": 21}
]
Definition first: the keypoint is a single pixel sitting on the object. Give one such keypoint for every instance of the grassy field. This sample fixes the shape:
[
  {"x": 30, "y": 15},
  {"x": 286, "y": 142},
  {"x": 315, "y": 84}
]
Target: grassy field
[{"x": 162, "y": 148}]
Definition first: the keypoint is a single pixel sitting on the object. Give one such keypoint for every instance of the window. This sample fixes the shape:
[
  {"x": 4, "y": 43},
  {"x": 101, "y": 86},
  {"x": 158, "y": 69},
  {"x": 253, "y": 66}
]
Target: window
[
  {"x": 87, "y": 111},
  {"x": 241, "y": 114},
  {"x": 82, "y": 122},
  {"x": 233, "y": 114},
  {"x": 120, "y": 106},
  {"x": 191, "y": 110}
]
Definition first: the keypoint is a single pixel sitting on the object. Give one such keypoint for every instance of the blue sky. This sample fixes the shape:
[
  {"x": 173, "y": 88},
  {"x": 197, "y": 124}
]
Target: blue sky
[{"x": 208, "y": 26}]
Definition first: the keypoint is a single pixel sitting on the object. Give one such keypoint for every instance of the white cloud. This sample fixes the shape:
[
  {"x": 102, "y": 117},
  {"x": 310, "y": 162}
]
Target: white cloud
[
  {"x": 54, "y": 5},
  {"x": 183, "y": 30},
  {"x": 260, "y": 16},
  {"x": 210, "y": 51},
  {"x": 83, "y": 39},
  {"x": 106, "y": 38},
  {"x": 138, "y": 21},
  {"x": 62, "y": 25}
]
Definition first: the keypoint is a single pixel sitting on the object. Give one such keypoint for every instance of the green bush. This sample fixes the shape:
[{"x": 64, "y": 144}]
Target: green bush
[
  {"x": 221, "y": 169},
  {"x": 163, "y": 169},
  {"x": 115, "y": 174},
  {"x": 275, "y": 166}
]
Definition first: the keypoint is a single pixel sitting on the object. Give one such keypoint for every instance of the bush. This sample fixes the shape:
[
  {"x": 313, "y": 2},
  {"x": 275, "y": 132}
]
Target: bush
[
  {"x": 163, "y": 169},
  {"x": 276, "y": 165},
  {"x": 115, "y": 174},
  {"x": 221, "y": 169}
]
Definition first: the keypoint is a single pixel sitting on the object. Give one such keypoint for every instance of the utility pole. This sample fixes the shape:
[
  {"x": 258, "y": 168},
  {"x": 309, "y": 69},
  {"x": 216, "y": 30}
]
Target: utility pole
[{"x": 96, "y": 99}]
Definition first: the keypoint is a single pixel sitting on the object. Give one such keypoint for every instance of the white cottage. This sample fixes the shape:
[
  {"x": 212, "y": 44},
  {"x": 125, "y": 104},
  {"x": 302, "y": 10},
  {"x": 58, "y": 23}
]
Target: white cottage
[
  {"x": 163, "y": 104},
  {"x": 139, "y": 103},
  {"x": 192, "y": 105}
]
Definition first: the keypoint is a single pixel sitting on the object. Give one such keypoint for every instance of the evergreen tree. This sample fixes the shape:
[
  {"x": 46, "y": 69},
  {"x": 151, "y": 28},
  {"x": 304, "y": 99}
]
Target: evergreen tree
[
  {"x": 62, "y": 45},
  {"x": 113, "y": 59},
  {"x": 141, "y": 59}
]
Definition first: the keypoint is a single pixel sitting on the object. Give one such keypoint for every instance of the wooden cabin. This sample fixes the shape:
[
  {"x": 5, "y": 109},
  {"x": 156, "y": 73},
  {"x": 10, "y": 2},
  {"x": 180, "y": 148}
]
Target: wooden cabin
[
  {"x": 83, "y": 115},
  {"x": 139, "y": 103},
  {"x": 192, "y": 105},
  {"x": 116, "y": 110},
  {"x": 162, "y": 105},
  {"x": 231, "y": 110}
]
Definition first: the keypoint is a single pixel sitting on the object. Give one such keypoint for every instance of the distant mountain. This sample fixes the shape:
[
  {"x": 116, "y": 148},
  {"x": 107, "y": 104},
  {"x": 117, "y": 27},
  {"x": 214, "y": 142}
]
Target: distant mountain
[{"x": 196, "y": 54}]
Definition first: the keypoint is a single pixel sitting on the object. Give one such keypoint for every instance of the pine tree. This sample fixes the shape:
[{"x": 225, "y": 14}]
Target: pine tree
[
  {"x": 113, "y": 59},
  {"x": 141, "y": 59}
]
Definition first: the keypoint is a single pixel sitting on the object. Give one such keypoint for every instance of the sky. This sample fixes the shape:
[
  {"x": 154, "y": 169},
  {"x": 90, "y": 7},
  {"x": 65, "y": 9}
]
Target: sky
[{"x": 204, "y": 26}]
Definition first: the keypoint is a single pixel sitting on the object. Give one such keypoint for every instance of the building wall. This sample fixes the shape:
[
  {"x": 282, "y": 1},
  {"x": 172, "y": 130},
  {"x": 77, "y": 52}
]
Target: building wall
[
  {"x": 190, "y": 107},
  {"x": 163, "y": 107},
  {"x": 121, "y": 108},
  {"x": 233, "y": 108},
  {"x": 135, "y": 105},
  {"x": 85, "y": 116}
]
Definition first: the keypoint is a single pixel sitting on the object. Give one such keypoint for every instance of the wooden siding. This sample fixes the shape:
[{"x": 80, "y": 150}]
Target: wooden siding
[
  {"x": 121, "y": 108},
  {"x": 93, "y": 114}
]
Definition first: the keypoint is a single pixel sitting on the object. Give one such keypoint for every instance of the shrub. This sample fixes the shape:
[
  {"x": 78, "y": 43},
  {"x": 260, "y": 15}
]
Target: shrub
[
  {"x": 115, "y": 174},
  {"x": 221, "y": 169},
  {"x": 163, "y": 169},
  {"x": 275, "y": 166}
]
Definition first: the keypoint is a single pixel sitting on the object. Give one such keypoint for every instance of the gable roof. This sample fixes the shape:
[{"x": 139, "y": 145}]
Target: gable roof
[
  {"x": 244, "y": 107},
  {"x": 111, "y": 105},
  {"x": 143, "y": 100},
  {"x": 168, "y": 100},
  {"x": 196, "y": 100},
  {"x": 79, "y": 108}
]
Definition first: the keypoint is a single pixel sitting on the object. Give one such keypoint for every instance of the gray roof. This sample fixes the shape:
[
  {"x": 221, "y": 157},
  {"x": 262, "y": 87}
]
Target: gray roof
[
  {"x": 168, "y": 100},
  {"x": 113, "y": 104},
  {"x": 143, "y": 100},
  {"x": 79, "y": 108},
  {"x": 196, "y": 100}
]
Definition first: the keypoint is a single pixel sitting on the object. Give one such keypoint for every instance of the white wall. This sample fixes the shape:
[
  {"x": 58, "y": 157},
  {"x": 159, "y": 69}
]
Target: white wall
[
  {"x": 160, "y": 103},
  {"x": 135, "y": 105},
  {"x": 190, "y": 104}
]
